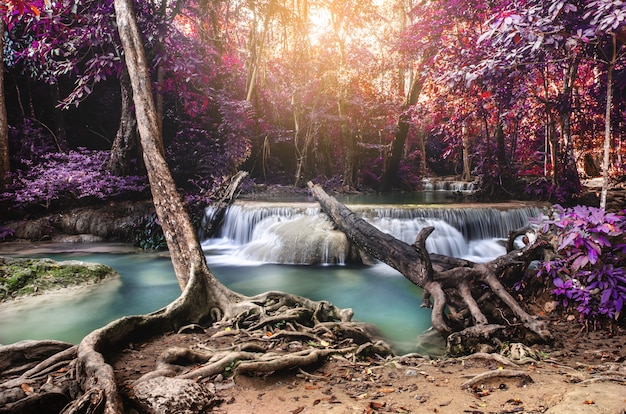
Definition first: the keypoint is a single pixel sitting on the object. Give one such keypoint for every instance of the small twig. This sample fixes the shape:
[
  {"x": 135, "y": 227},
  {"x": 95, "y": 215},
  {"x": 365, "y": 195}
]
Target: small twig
[
  {"x": 604, "y": 378},
  {"x": 312, "y": 376}
]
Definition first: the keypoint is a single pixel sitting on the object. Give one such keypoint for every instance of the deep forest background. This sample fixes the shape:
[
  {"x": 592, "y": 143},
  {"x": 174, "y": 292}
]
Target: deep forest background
[{"x": 525, "y": 98}]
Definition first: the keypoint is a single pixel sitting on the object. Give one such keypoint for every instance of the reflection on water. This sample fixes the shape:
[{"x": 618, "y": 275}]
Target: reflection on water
[{"x": 378, "y": 294}]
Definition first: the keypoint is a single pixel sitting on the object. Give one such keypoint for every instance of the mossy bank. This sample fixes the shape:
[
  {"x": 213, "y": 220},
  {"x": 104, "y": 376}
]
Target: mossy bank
[{"x": 26, "y": 277}]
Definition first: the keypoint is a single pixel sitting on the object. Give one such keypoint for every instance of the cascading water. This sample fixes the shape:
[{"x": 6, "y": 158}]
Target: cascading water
[
  {"x": 253, "y": 253},
  {"x": 446, "y": 185},
  {"x": 300, "y": 234}
]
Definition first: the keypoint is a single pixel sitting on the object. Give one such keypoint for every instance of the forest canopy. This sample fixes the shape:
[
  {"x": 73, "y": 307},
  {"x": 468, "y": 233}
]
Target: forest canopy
[{"x": 525, "y": 97}]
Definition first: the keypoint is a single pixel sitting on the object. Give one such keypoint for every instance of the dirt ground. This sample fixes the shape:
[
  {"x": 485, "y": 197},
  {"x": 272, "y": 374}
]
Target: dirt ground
[{"x": 582, "y": 372}]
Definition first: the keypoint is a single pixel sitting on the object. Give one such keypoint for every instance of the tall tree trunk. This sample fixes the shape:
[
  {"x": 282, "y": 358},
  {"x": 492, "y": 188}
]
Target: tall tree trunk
[
  {"x": 59, "y": 119},
  {"x": 186, "y": 253},
  {"x": 125, "y": 143},
  {"x": 607, "y": 124},
  {"x": 398, "y": 144},
  {"x": 300, "y": 154},
  {"x": 501, "y": 151},
  {"x": 258, "y": 51},
  {"x": 18, "y": 94},
  {"x": 421, "y": 138},
  {"x": 349, "y": 160},
  {"x": 160, "y": 74},
  {"x": 554, "y": 151},
  {"x": 301, "y": 145},
  {"x": 4, "y": 122},
  {"x": 565, "y": 113},
  {"x": 467, "y": 160}
]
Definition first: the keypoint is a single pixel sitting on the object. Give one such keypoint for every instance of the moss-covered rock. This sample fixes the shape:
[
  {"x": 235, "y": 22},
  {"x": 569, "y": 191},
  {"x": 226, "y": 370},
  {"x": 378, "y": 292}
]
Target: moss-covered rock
[{"x": 21, "y": 277}]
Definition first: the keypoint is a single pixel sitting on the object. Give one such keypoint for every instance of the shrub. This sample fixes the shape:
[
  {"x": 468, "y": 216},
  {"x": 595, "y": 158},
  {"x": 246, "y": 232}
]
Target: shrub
[
  {"x": 149, "y": 234},
  {"x": 565, "y": 192},
  {"x": 589, "y": 272},
  {"x": 68, "y": 177},
  {"x": 46, "y": 174},
  {"x": 6, "y": 233}
]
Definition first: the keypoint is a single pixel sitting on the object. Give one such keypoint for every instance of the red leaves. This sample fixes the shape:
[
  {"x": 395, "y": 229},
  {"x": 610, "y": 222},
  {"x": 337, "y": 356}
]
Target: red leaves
[{"x": 21, "y": 7}]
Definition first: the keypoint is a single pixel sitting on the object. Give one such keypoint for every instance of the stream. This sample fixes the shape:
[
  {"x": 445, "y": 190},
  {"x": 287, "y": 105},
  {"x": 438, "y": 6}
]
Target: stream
[{"x": 286, "y": 246}]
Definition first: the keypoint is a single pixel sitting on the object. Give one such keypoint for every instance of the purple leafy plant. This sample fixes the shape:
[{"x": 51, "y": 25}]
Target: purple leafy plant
[
  {"x": 589, "y": 272},
  {"x": 47, "y": 177}
]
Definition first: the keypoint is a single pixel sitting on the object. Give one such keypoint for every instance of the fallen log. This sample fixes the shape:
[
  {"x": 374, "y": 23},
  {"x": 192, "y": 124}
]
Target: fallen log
[
  {"x": 224, "y": 197},
  {"x": 451, "y": 285}
]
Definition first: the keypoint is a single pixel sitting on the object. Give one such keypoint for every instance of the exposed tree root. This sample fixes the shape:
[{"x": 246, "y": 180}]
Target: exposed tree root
[
  {"x": 490, "y": 357},
  {"x": 38, "y": 379},
  {"x": 269, "y": 332},
  {"x": 277, "y": 331},
  {"x": 498, "y": 373}
]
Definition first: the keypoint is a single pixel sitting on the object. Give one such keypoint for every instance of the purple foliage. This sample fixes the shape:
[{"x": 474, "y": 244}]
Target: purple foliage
[
  {"x": 590, "y": 270},
  {"x": 6, "y": 233},
  {"x": 568, "y": 188},
  {"x": 75, "y": 175},
  {"x": 76, "y": 40},
  {"x": 44, "y": 175}
]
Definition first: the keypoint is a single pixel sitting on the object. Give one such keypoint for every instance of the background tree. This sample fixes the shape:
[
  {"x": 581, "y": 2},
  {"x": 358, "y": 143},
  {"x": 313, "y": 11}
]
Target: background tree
[
  {"x": 10, "y": 11},
  {"x": 488, "y": 74},
  {"x": 607, "y": 31},
  {"x": 4, "y": 122}
]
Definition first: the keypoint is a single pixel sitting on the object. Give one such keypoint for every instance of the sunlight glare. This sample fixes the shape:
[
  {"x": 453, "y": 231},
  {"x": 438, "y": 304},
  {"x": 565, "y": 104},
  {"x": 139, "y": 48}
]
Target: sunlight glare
[
  {"x": 184, "y": 24},
  {"x": 319, "y": 24}
]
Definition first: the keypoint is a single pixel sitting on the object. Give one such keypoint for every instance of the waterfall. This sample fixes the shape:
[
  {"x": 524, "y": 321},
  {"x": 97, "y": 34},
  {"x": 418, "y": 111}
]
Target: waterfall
[
  {"x": 298, "y": 233},
  {"x": 446, "y": 185}
]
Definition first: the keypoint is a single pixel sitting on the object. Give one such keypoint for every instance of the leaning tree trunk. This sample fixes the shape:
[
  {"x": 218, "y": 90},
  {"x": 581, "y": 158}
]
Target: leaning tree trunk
[
  {"x": 607, "y": 124},
  {"x": 448, "y": 283},
  {"x": 182, "y": 241},
  {"x": 204, "y": 297},
  {"x": 404, "y": 122}
]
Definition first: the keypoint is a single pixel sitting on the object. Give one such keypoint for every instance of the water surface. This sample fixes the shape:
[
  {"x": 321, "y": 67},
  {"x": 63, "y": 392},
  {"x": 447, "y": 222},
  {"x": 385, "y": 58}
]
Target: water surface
[
  {"x": 287, "y": 247},
  {"x": 377, "y": 294}
]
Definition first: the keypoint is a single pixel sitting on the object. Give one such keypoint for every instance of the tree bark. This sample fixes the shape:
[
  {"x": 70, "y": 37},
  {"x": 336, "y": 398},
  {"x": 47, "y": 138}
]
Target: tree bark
[
  {"x": 565, "y": 112},
  {"x": 446, "y": 280},
  {"x": 398, "y": 144},
  {"x": 4, "y": 122},
  {"x": 179, "y": 233},
  {"x": 125, "y": 143},
  {"x": 467, "y": 160},
  {"x": 607, "y": 124}
]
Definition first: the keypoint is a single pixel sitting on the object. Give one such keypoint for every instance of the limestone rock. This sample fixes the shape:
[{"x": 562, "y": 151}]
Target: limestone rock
[{"x": 173, "y": 395}]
